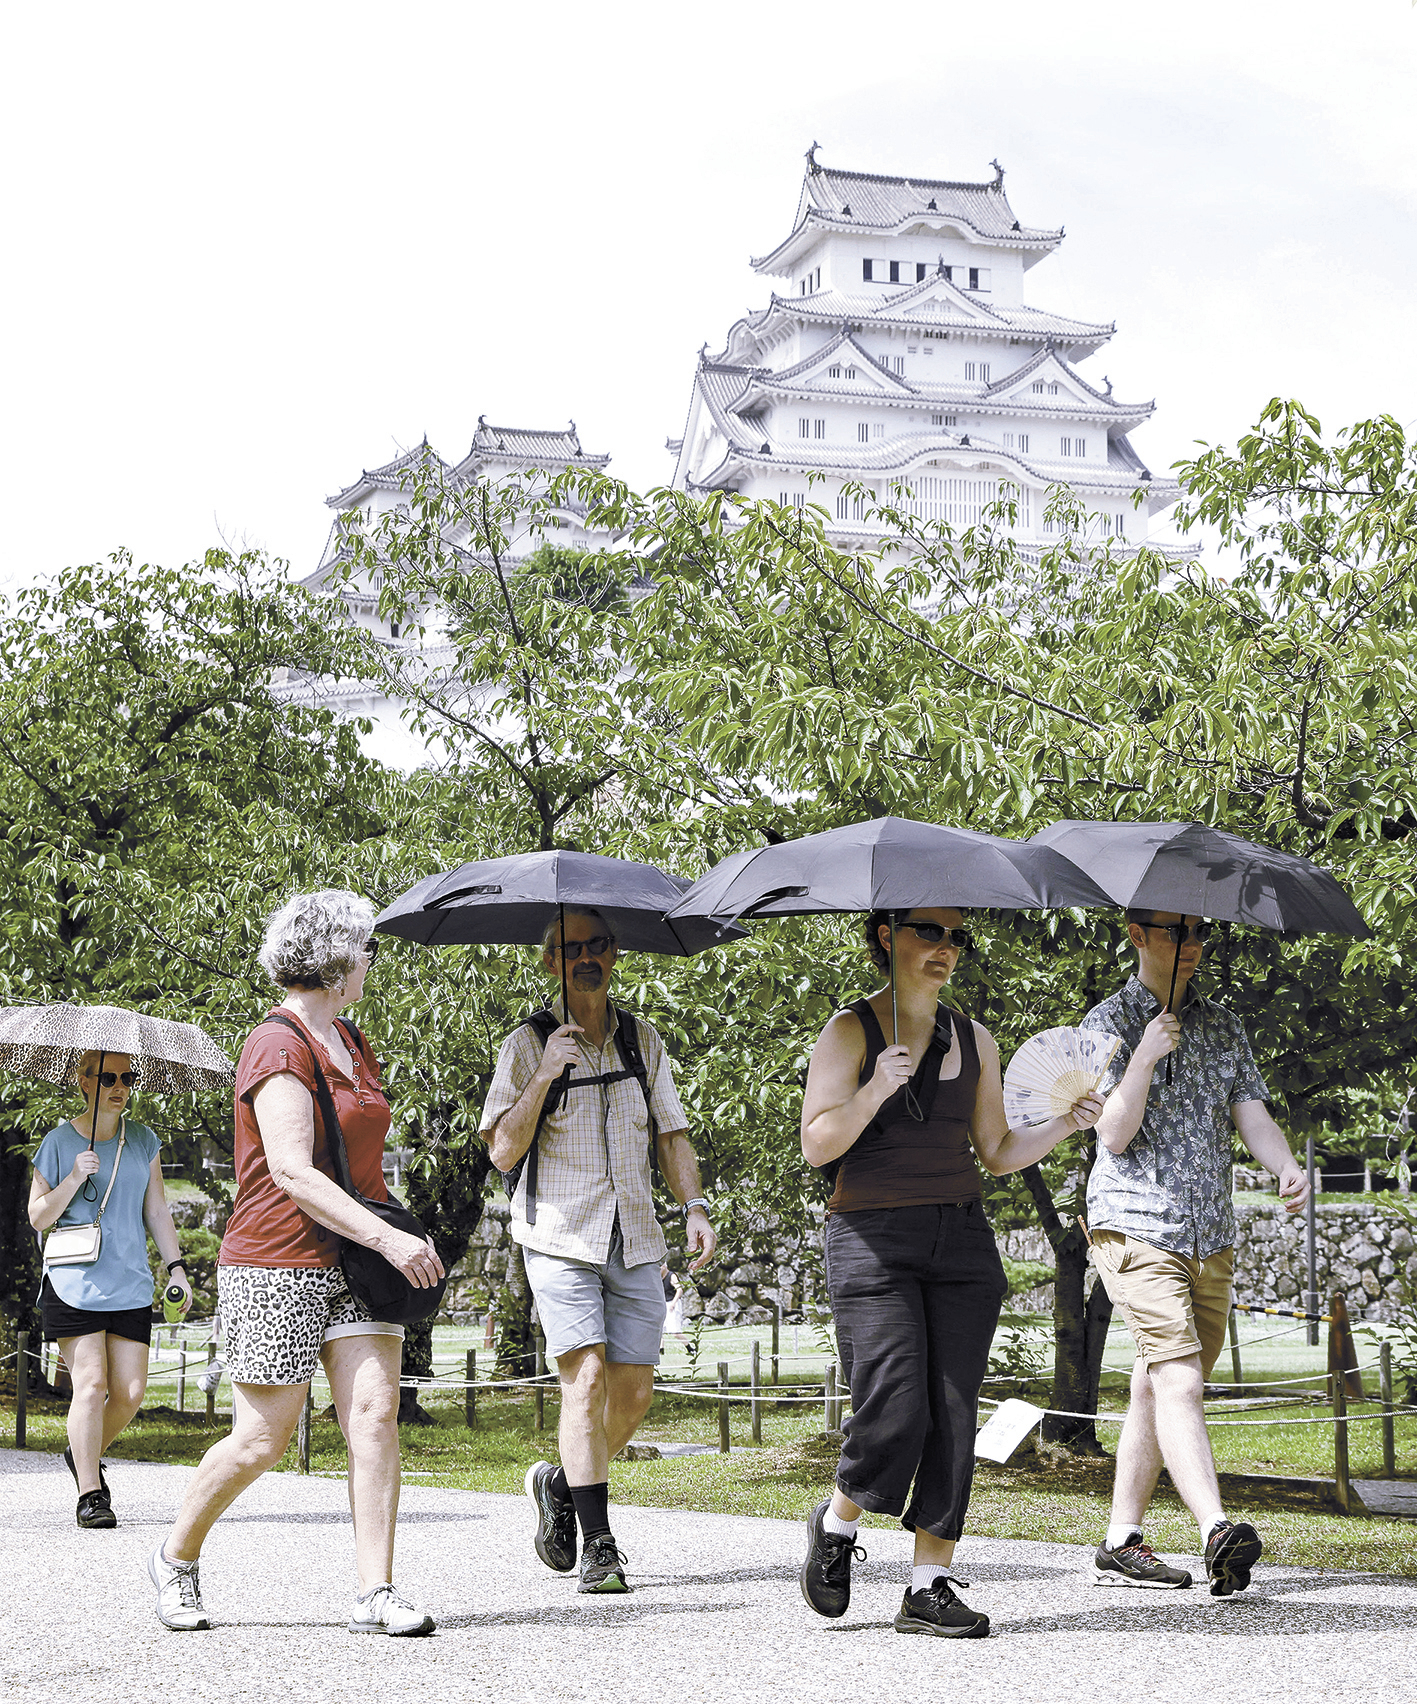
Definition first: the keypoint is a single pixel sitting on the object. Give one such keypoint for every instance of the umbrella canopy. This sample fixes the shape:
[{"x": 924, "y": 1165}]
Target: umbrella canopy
[
  {"x": 511, "y": 900},
  {"x": 47, "y": 1042},
  {"x": 1199, "y": 871},
  {"x": 888, "y": 863}
]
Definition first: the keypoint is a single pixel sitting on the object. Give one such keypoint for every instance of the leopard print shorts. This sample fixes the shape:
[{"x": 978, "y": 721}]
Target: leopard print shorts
[{"x": 276, "y": 1319}]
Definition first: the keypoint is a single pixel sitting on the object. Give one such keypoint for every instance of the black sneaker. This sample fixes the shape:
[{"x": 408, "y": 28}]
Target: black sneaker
[
  {"x": 94, "y": 1510},
  {"x": 602, "y": 1566},
  {"x": 1135, "y": 1564},
  {"x": 1231, "y": 1551},
  {"x": 826, "y": 1574},
  {"x": 937, "y": 1611},
  {"x": 555, "y": 1519},
  {"x": 69, "y": 1463}
]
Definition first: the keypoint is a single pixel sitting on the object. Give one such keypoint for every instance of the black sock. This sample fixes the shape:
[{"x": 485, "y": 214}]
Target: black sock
[
  {"x": 592, "y": 1509},
  {"x": 560, "y": 1490}
]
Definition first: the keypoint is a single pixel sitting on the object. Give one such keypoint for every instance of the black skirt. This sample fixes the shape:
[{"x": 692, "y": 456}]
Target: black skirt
[{"x": 60, "y": 1320}]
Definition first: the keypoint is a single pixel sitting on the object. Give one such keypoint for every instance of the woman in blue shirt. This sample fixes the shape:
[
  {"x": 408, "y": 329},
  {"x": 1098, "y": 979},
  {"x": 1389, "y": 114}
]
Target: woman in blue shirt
[{"x": 101, "y": 1313}]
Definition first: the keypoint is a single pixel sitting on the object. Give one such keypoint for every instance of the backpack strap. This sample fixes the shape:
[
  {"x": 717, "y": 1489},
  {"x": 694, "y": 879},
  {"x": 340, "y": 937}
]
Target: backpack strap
[
  {"x": 924, "y": 1083},
  {"x": 329, "y": 1116}
]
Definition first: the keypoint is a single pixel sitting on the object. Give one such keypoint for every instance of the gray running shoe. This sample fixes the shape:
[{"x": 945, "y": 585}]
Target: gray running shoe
[
  {"x": 179, "y": 1593},
  {"x": 938, "y": 1611},
  {"x": 602, "y": 1566},
  {"x": 383, "y": 1610},
  {"x": 1135, "y": 1564},
  {"x": 555, "y": 1519},
  {"x": 1230, "y": 1552}
]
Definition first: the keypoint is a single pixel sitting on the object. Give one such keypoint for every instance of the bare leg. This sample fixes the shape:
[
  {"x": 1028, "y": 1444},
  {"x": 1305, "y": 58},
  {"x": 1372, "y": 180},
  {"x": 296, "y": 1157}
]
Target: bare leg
[
  {"x": 843, "y": 1508},
  {"x": 127, "y": 1383},
  {"x": 364, "y": 1380},
  {"x": 929, "y": 1549},
  {"x": 601, "y": 1409},
  {"x": 87, "y": 1362},
  {"x": 1138, "y": 1455},
  {"x": 264, "y": 1418},
  {"x": 1173, "y": 1426}
]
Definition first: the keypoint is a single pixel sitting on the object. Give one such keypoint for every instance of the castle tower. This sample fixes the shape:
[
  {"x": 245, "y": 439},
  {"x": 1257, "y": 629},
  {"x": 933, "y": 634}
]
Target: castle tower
[{"x": 902, "y": 350}]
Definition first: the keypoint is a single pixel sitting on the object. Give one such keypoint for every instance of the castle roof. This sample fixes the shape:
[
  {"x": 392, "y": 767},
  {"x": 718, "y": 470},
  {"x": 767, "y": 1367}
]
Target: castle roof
[
  {"x": 390, "y": 477},
  {"x": 502, "y": 448},
  {"x": 531, "y": 445},
  {"x": 835, "y": 200}
]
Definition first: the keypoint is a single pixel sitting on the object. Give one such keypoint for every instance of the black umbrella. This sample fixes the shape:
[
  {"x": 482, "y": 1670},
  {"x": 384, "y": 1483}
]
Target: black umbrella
[
  {"x": 887, "y": 864},
  {"x": 509, "y": 901},
  {"x": 1199, "y": 871}
]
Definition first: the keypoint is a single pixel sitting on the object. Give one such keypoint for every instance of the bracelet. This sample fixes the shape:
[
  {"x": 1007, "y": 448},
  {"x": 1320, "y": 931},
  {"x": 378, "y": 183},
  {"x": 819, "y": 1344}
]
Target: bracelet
[
  {"x": 172, "y": 1266},
  {"x": 698, "y": 1201}
]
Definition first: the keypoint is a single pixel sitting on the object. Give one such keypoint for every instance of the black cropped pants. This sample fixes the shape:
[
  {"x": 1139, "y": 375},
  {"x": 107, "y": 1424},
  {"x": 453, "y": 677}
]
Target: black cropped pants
[{"x": 915, "y": 1292}]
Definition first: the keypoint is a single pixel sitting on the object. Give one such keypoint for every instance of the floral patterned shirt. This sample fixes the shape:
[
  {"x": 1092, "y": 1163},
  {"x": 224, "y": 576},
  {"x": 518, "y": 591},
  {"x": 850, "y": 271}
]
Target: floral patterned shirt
[{"x": 1171, "y": 1186}]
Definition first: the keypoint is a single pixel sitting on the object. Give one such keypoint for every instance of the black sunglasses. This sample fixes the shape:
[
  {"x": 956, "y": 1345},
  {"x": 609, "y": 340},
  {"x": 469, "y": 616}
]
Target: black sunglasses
[
  {"x": 128, "y": 1079},
  {"x": 1178, "y": 932},
  {"x": 371, "y": 949},
  {"x": 597, "y": 946},
  {"x": 933, "y": 932}
]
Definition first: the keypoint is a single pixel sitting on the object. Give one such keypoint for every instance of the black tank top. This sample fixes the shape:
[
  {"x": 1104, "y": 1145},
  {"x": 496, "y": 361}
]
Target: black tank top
[{"x": 897, "y": 1161}]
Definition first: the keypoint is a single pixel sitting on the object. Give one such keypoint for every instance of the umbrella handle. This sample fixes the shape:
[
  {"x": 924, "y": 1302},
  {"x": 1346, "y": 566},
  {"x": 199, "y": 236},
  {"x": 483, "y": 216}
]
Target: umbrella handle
[
  {"x": 1171, "y": 992},
  {"x": 89, "y": 1183},
  {"x": 895, "y": 1028}
]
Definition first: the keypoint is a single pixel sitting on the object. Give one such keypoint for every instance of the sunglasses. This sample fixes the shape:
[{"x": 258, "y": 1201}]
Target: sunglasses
[
  {"x": 371, "y": 949},
  {"x": 1178, "y": 932},
  {"x": 597, "y": 946},
  {"x": 128, "y": 1079},
  {"x": 961, "y": 939}
]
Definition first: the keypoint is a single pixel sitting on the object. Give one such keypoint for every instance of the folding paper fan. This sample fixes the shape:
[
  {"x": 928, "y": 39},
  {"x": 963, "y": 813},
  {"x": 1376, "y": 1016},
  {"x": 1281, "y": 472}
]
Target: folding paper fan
[{"x": 1052, "y": 1070}]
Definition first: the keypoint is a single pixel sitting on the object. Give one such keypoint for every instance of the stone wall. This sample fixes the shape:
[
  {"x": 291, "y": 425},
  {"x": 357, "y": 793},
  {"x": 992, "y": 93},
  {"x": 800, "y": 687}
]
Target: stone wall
[{"x": 1364, "y": 1251}]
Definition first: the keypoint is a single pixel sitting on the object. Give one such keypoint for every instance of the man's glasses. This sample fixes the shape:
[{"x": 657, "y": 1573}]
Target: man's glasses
[
  {"x": 128, "y": 1079},
  {"x": 371, "y": 949},
  {"x": 934, "y": 932},
  {"x": 597, "y": 946},
  {"x": 1178, "y": 932}
]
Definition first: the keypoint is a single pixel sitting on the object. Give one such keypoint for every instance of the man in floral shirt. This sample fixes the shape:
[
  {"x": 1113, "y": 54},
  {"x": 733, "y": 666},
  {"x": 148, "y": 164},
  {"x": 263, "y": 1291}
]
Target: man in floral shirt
[{"x": 1163, "y": 1231}]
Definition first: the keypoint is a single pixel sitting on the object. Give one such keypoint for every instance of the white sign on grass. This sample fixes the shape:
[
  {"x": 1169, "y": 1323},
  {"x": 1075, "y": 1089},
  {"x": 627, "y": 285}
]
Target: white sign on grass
[{"x": 1005, "y": 1429}]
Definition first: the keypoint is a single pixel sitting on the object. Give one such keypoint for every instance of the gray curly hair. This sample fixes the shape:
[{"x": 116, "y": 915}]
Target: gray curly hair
[{"x": 316, "y": 939}]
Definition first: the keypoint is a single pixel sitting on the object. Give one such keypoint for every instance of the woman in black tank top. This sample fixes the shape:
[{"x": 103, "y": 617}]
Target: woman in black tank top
[{"x": 913, "y": 1272}]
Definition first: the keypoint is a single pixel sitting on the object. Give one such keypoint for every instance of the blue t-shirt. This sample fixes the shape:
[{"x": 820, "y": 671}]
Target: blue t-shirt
[{"x": 120, "y": 1278}]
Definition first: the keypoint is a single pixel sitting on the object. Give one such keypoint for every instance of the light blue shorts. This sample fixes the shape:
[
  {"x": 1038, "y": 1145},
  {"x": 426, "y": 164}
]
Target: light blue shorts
[{"x": 580, "y": 1303}]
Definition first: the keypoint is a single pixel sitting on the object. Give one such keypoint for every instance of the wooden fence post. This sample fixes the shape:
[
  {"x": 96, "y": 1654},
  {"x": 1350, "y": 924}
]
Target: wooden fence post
[
  {"x": 1340, "y": 1442},
  {"x": 829, "y": 1396},
  {"x": 1235, "y": 1349},
  {"x": 211, "y": 1384},
  {"x": 755, "y": 1407},
  {"x": 470, "y": 1394},
  {"x": 776, "y": 1332},
  {"x": 1342, "y": 1351},
  {"x": 22, "y": 1385},
  {"x": 724, "y": 1441},
  {"x": 1385, "y": 1388},
  {"x": 540, "y": 1388},
  {"x": 303, "y": 1437},
  {"x": 182, "y": 1377}
]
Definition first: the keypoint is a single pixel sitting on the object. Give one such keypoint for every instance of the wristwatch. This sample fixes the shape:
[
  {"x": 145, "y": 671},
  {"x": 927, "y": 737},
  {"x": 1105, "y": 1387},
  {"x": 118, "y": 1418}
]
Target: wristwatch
[
  {"x": 172, "y": 1266},
  {"x": 698, "y": 1201}
]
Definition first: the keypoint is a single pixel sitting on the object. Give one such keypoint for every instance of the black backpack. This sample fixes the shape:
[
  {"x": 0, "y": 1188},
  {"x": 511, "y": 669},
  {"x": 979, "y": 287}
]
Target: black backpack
[{"x": 627, "y": 1045}]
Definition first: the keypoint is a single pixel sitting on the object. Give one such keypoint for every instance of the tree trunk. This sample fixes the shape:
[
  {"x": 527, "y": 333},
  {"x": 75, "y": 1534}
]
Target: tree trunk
[
  {"x": 19, "y": 1263},
  {"x": 516, "y": 1351}
]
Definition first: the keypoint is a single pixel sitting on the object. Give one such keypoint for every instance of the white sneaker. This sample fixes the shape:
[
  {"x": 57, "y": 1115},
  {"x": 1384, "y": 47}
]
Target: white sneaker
[
  {"x": 383, "y": 1610},
  {"x": 179, "y": 1593}
]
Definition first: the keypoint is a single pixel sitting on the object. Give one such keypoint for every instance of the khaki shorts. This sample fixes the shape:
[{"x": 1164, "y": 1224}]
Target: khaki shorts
[{"x": 1174, "y": 1304}]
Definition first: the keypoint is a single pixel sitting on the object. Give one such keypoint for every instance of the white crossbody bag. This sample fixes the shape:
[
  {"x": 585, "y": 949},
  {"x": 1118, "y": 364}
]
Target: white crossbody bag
[{"x": 80, "y": 1245}]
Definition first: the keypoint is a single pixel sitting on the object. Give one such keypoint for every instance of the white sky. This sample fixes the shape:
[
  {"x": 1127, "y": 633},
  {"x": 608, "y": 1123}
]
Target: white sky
[{"x": 254, "y": 249}]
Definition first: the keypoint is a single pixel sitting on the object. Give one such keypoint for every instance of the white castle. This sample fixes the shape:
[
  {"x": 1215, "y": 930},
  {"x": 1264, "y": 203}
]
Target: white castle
[{"x": 903, "y": 353}]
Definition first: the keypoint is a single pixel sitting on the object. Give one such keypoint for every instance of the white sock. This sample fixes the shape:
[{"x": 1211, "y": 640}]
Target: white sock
[
  {"x": 832, "y": 1522},
  {"x": 1209, "y": 1524},
  {"x": 1117, "y": 1536},
  {"x": 924, "y": 1574}
]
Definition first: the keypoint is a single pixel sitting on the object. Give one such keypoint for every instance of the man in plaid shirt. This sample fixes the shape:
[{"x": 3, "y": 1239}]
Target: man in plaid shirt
[{"x": 589, "y": 1234}]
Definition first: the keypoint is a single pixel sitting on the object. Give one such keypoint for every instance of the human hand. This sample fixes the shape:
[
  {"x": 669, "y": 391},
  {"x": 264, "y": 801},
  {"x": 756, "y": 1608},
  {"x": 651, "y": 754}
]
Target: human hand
[
  {"x": 417, "y": 1260},
  {"x": 700, "y": 1235},
  {"x": 561, "y": 1051},
  {"x": 1293, "y": 1187},
  {"x": 180, "y": 1278},
  {"x": 1085, "y": 1111},
  {"x": 893, "y": 1071},
  {"x": 85, "y": 1164},
  {"x": 1159, "y": 1038}
]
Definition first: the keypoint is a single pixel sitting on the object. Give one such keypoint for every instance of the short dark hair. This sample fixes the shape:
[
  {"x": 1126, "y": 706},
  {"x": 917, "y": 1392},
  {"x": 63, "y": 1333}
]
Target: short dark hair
[
  {"x": 1140, "y": 914},
  {"x": 878, "y": 954}
]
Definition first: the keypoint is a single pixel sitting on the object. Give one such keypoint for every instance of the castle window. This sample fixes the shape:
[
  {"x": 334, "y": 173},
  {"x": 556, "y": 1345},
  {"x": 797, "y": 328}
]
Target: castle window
[
  {"x": 969, "y": 368},
  {"x": 949, "y": 275},
  {"x": 863, "y": 432},
  {"x": 1053, "y": 388},
  {"x": 895, "y": 272},
  {"x": 1081, "y": 447},
  {"x": 920, "y": 271},
  {"x": 819, "y": 428},
  {"x": 865, "y": 271},
  {"x": 979, "y": 277},
  {"x": 783, "y": 498},
  {"x": 799, "y": 500},
  {"x": 851, "y": 372},
  {"x": 896, "y": 363},
  {"x": 1039, "y": 387},
  {"x": 911, "y": 349},
  {"x": 984, "y": 371},
  {"x": 937, "y": 419},
  {"x": 1008, "y": 440},
  {"x": 1065, "y": 446},
  {"x": 878, "y": 431},
  {"x": 1023, "y": 441},
  {"x": 393, "y": 630},
  {"x": 833, "y": 372},
  {"x": 804, "y": 428},
  {"x": 1118, "y": 525}
]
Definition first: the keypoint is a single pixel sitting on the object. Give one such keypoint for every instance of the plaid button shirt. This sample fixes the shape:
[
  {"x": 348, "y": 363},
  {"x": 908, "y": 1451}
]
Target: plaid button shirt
[
  {"x": 1171, "y": 1186},
  {"x": 593, "y": 1152}
]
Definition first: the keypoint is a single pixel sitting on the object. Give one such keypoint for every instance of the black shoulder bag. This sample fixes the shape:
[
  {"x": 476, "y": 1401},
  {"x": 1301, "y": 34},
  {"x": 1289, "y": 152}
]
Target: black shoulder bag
[
  {"x": 627, "y": 1045},
  {"x": 382, "y": 1288}
]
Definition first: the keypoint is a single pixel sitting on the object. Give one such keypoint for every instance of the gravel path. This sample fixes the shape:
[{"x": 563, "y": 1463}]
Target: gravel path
[{"x": 716, "y": 1614}]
